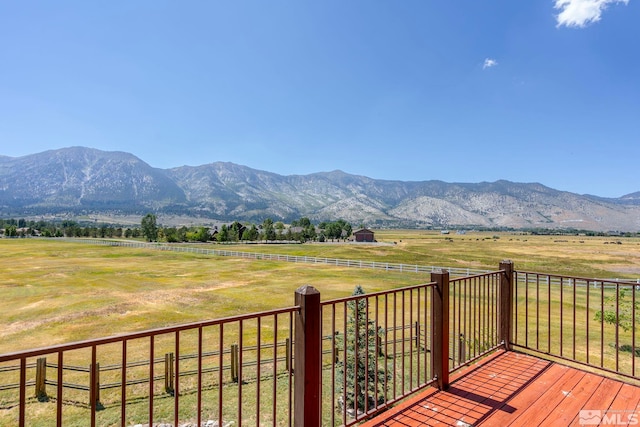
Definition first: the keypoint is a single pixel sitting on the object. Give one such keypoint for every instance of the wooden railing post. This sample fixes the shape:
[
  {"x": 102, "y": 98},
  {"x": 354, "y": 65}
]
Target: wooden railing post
[
  {"x": 168, "y": 373},
  {"x": 287, "y": 356},
  {"x": 234, "y": 363},
  {"x": 440, "y": 328},
  {"x": 94, "y": 388},
  {"x": 307, "y": 362},
  {"x": 506, "y": 303},
  {"x": 462, "y": 351},
  {"x": 41, "y": 379}
]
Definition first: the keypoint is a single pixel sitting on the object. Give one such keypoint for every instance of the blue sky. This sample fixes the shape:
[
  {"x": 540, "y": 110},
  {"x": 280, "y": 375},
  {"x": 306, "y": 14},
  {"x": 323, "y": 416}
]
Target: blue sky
[{"x": 456, "y": 90}]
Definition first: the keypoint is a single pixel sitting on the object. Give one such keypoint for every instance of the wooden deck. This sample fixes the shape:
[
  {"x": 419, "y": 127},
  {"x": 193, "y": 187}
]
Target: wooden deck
[{"x": 514, "y": 389}]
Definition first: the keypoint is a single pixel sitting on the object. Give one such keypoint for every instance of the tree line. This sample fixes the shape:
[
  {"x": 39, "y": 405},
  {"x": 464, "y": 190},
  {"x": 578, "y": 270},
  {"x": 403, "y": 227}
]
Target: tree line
[
  {"x": 300, "y": 230},
  {"x": 66, "y": 228}
]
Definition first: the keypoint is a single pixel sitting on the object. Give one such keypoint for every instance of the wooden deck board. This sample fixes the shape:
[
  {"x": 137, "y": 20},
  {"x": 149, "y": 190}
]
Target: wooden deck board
[
  {"x": 576, "y": 400},
  {"x": 522, "y": 401},
  {"x": 626, "y": 402},
  {"x": 514, "y": 389},
  {"x": 550, "y": 398},
  {"x": 602, "y": 398}
]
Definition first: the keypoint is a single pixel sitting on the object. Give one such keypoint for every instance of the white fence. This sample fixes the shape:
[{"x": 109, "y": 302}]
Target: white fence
[{"x": 387, "y": 266}]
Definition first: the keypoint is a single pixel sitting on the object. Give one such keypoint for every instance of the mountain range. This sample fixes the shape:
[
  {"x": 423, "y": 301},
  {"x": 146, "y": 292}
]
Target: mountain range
[{"x": 81, "y": 180}]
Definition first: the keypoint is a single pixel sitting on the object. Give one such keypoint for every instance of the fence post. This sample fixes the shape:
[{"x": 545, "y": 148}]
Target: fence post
[
  {"x": 307, "y": 358},
  {"x": 440, "y": 328},
  {"x": 417, "y": 327},
  {"x": 168, "y": 373},
  {"x": 95, "y": 384},
  {"x": 506, "y": 303},
  {"x": 462, "y": 354},
  {"x": 234, "y": 363},
  {"x": 41, "y": 379},
  {"x": 287, "y": 356}
]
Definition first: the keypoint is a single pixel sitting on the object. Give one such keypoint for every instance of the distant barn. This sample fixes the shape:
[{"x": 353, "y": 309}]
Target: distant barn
[{"x": 363, "y": 235}]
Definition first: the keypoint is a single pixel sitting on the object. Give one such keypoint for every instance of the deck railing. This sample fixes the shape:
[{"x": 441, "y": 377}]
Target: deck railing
[
  {"x": 593, "y": 322},
  {"x": 234, "y": 369},
  {"x": 321, "y": 363},
  {"x": 380, "y": 354},
  {"x": 474, "y": 318}
]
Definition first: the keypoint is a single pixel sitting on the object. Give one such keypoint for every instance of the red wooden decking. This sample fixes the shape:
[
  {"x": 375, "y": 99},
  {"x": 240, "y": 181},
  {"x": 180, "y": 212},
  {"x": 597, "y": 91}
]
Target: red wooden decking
[{"x": 514, "y": 389}]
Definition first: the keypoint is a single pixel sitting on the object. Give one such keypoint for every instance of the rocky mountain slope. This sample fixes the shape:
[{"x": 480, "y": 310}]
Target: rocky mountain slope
[{"x": 81, "y": 179}]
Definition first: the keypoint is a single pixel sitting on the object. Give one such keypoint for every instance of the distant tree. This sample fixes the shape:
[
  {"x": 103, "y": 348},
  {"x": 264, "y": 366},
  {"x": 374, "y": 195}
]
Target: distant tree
[
  {"x": 202, "y": 234},
  {"x": 198, "y": 234},
  {"x": 71, "y": 229},
  {"x": 234, "y": 231},
  {"x": 11, "y": 231},
  {"x": 149, "y": 227},
  {"x": 304, "y": 222},
  {"x": 223, "y": 234},
  {"x": 344, "y": 227},
  {"x": 279, "y": 226},
  {"x": 182, "y": 234},
  {"x": 251, "y": 234},
  {"x": 332, "y": 230},
  {"x": 268, "y": 232},
  {"x": 339, "y": 229},
  {"x": 171, "y": 234},
  {"x": 309, "y": 232}
]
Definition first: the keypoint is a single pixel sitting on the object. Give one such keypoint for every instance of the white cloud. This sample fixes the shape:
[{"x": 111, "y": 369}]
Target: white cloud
[
  {"x": 579, "y": 13},
  {"x": 488, "y": 63}
]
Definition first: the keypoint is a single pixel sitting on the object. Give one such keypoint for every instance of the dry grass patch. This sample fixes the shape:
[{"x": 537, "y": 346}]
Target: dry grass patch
[{"x": 56, "y": 292}]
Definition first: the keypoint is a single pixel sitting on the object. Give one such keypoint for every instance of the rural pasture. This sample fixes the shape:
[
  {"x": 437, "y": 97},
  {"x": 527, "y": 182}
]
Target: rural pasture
[
  {"x": 58, "y": 291},
  {"x": 55, "y": 291}
]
